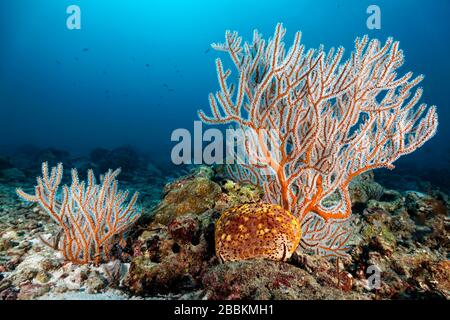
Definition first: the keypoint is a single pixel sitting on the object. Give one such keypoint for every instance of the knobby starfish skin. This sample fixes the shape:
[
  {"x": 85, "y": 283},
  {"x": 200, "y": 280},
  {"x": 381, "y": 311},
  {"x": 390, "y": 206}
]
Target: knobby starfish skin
[{"x": 257, "y": 230}]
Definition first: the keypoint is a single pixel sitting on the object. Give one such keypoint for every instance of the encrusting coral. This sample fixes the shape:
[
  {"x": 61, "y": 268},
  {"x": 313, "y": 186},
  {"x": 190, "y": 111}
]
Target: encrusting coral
[
  {"x": 92, "y": 217},
  {"x": 316, "y": 122}
]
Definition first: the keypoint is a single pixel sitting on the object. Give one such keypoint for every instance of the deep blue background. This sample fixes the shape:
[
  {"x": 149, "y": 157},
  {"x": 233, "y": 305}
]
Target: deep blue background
[{"x": 109, "y": 97}]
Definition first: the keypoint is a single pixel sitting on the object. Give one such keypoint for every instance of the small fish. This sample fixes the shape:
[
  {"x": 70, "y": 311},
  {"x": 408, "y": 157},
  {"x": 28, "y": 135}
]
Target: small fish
[
  {"x": 106, "y": 91},
  {"x": 147, "y": 65},
  {"x": 165, "y": 85},
  {"x": 58, "y": 62},
  {"x": 85, "y": 49},
  {"x": 77, "y": 59},
  {"x": 207, "y": 50},
  {"x": 171, "y": 90}
]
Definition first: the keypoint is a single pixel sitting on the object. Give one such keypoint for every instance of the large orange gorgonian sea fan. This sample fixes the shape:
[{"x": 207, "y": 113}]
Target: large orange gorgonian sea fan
[
  {"x": 92, "y": 217},
  {"x": 328, "y": 119}
]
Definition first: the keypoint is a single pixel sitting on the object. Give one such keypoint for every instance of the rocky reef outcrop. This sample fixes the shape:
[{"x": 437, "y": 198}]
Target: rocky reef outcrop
[
  {"x": 176, "y": 252},
  {"x": 171, "y": 252}
]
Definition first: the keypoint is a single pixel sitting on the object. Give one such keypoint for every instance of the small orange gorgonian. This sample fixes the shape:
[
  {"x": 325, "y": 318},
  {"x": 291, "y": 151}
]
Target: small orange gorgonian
[
  {"x": 92, "y": 217},
  {"x": 328, "y": 120}
]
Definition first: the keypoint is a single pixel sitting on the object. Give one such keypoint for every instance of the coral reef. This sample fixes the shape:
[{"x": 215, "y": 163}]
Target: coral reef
[
  {"x": 178, "y": 258},
  {"x": 194, "y": 194},
  {"x": 317, "y": 122},
  {"x": 410, "y": 269},
  {"x": 264, "y": 280},
  {"x": 404, "y": 234},
  {"x": 171, "y": 259},
  {"x": 236, "y": 194},
  {"x": 178, "y": 244}
]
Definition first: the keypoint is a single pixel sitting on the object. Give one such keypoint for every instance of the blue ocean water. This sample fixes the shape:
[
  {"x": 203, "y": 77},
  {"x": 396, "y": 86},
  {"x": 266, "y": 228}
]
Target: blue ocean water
[{"x": 139, "y": 69}]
